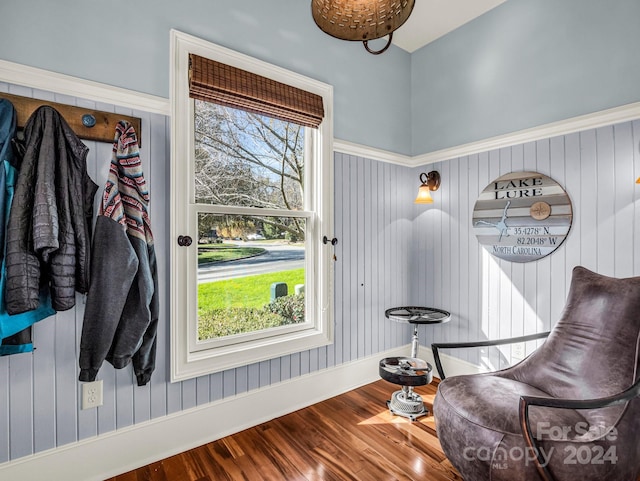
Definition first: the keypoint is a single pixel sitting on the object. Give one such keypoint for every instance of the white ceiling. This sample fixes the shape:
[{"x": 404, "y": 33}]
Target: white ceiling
[{"x": 432, "y": 19}]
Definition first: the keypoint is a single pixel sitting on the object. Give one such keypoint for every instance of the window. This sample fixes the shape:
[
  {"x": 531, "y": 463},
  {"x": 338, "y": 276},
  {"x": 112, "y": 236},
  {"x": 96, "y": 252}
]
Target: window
[{"x": 252, "y": 187}]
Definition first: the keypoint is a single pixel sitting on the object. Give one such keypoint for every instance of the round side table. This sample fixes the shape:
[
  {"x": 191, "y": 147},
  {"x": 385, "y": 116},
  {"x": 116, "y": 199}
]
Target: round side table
[{"x": 410, "y": 371}]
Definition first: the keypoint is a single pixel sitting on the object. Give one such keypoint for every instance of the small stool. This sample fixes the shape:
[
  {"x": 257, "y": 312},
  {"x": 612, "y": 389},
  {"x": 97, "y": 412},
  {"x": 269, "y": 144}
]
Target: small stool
[{"x": 409, "y": 372}]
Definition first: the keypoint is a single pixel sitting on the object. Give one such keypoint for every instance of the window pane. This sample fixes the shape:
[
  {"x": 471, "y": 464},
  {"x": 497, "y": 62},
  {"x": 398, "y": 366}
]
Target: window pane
[
  {"x": 250, "y": 273},
  {"x": 245, "y": 159}
]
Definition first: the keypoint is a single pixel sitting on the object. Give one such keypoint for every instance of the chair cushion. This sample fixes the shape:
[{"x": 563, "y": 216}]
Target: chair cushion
[
  {"x": 491, "y": 402},
  {"x": 478, "y": 427}
]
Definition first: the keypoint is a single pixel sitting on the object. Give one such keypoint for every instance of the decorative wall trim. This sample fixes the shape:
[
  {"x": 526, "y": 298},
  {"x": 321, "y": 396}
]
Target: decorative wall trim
[
  {"x": 37, "y": 78},
  {"x": 372, "y": 153},
  {"x": 65, "y": 84},
  {"x": 593, "y": 120},
  {"x": 135, "y": 446}
]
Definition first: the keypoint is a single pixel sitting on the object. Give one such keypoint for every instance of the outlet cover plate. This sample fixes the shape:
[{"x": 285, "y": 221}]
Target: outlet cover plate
[
  {"x": 518, "y": 351},
  {"x": 92, "y": 394}
]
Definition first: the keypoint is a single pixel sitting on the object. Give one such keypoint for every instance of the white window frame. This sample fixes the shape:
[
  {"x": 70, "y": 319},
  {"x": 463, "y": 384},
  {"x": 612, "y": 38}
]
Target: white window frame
[{"x": 190, "y": 358}]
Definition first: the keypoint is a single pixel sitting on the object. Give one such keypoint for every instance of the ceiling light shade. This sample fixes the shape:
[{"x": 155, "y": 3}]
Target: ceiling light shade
[
  {"x": 361, "y": 20},
  {"x": 429, "y": 182}
]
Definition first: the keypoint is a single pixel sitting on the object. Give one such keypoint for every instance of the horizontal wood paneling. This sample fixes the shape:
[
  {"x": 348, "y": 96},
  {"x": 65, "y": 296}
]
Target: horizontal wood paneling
[{"x": 104, "y": 122}]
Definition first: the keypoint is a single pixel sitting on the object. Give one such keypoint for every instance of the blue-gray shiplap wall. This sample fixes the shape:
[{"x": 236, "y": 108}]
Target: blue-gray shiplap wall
[
  {"x": 40, "y": 397},
  {"x": 491, "y": 298},
  {"x": 373, "y": 225},
  {"x": 390, "y": 253}
]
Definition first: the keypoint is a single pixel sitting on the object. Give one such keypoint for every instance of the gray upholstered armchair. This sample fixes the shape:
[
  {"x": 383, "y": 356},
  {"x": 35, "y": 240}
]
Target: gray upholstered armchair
[{"x": 570, "y": 411}]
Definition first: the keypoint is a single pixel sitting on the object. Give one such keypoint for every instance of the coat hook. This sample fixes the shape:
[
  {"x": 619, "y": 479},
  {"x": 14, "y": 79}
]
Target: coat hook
[{"x": 88, "y": 120}]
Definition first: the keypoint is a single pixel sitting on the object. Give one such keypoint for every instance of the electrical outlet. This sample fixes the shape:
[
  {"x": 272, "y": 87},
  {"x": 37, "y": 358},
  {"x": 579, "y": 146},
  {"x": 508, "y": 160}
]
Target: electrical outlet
[
  {"x": 92, "y": 394},
  {"x": 517, "y": 351}
]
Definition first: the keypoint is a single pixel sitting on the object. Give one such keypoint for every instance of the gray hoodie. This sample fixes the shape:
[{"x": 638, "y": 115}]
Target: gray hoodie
[{"x": 121, "y": 315}]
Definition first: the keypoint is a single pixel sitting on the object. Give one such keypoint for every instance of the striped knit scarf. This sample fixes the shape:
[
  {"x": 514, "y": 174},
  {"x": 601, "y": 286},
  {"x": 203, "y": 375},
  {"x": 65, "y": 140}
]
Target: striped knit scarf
[{"x": 126, "y": 198}]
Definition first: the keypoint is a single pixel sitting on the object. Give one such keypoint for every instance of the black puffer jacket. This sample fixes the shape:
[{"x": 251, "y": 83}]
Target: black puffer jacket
[{"x": 48, "y": 235}]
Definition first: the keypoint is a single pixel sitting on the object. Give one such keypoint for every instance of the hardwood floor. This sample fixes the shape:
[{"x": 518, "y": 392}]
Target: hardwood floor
[{"x": 349, "y": 437}]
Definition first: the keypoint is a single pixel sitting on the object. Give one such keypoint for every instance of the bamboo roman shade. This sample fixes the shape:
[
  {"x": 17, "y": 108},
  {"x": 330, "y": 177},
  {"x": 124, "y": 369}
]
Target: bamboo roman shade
[{"x": 233, "y": 87}]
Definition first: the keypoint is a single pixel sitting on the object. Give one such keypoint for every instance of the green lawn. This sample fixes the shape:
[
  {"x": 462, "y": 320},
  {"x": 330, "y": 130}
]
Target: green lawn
[
  {"x": 250, "y": 291},
  {"x": 222, "y": 252},
  {"x": 239, "y": 305}
]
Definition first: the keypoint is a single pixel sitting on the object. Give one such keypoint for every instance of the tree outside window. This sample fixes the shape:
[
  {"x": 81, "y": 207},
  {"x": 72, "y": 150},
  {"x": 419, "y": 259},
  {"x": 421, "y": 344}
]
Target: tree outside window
[{"x": 244, "y": 159}]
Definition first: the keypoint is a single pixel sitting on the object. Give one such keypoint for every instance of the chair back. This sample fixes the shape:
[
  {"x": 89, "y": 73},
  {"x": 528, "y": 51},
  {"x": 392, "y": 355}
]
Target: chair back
[{"x": 592, "y": 352}]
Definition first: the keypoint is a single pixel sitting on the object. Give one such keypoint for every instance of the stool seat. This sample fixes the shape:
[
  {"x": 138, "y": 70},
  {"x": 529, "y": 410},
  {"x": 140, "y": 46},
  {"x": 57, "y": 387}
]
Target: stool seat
[{"x": 406, "y": 371}]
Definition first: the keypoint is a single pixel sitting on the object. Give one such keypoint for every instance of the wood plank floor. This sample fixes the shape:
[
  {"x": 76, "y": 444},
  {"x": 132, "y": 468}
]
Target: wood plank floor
[{"x": 349, "y": 437}]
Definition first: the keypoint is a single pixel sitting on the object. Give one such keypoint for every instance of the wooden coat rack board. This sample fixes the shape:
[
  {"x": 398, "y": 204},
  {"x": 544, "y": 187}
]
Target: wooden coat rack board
[{"x": 105, "y": 122}]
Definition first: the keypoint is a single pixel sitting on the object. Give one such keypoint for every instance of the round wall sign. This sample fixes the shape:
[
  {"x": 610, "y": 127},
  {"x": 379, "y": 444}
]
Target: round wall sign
[{"x": 522, "y": 216}]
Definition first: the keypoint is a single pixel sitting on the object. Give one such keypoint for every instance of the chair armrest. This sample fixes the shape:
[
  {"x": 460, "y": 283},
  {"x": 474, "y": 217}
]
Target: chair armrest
[
  {"x": 497, "y": 342},
  {"x": 527, "y": 401}
]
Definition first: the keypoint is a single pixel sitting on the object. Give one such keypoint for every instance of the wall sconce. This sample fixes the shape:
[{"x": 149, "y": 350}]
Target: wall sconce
[
  {"x": 638, "y": 180},
  {"x": 430, "y": 183}
]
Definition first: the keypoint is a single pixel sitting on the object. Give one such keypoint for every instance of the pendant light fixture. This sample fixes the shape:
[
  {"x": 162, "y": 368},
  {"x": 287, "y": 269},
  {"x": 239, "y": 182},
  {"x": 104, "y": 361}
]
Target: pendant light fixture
[{"x": 361, "y": 20}]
